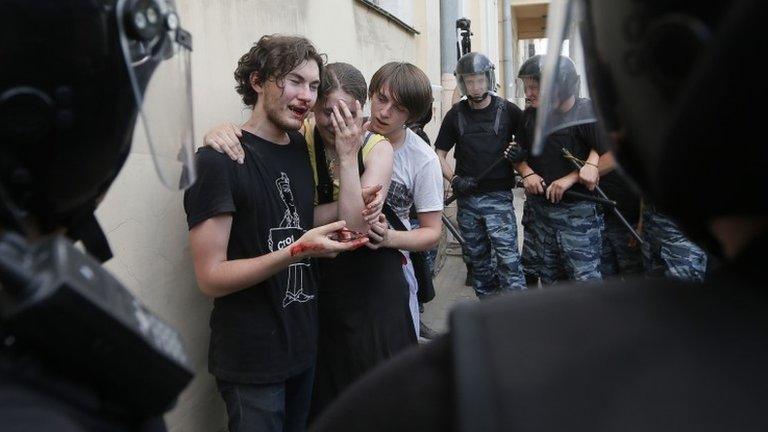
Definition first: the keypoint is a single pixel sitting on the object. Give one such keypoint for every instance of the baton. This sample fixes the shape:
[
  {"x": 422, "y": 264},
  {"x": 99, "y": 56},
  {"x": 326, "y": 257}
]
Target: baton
[
  {"x": 485, "y": 172},
  {"x": 453, "y": 197},
  {"x": 453, "y": 230},
  {"x": 570, "y": 157},
  {"x": 581, "y": 196},
  {"x": 586, "y": 197}
]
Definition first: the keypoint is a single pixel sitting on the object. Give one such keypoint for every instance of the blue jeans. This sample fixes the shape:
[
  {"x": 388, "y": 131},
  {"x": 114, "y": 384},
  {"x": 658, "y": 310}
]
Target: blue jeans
[{"x": 274, "y": 407}]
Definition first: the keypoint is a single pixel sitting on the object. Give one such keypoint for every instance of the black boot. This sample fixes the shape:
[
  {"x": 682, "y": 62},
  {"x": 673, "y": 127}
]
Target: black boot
[{"x": 469, "y": 281}]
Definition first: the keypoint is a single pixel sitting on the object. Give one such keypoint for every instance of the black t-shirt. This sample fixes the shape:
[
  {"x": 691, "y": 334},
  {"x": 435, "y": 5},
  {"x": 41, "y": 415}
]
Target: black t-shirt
[
  {"x": 617, "y": 188},
  {"x": 579, "y": 140},
  {"x": 480, "y": 141},
  {"x": 268, "y": 332}
]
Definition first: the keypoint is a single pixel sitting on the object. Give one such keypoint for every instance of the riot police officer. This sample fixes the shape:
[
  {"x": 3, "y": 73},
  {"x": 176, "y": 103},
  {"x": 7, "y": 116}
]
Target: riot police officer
[
  {"x": 562, "y": 235},
  {"x": 79, "y": 352},
  {"x": 480, "y": 128}
]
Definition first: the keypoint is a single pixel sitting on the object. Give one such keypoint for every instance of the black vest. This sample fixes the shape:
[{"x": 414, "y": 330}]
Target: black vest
[{"x": 480, "y": 144}]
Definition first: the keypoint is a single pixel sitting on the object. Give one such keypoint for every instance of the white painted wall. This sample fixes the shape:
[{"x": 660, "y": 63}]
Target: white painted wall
[{"x": 145, "y": 222}]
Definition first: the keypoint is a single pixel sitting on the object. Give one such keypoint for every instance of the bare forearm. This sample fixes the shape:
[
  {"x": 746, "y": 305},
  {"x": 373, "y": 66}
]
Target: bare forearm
[
  {"x": 325, "y": 214},
  {"x": 593, "y": 158},
  {"x": 572, "y": 176},
  {"x": 419, "y": 239},
  {"x": 522, "y": 168},
  {"x": 350, "y": 204},
  {"x": 444, "y": 166},
  {"x": 606, "y": 164},
  {"x": 228, "y": 277}
]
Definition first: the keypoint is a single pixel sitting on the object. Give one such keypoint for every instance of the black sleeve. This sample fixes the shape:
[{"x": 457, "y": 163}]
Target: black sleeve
[
  {"x": 448, "y": 134},
  {"x": 411, "y": 392},
  {"x": 422, "y": 134},
  {"x": 515, "y": 117},
  {"x": 525, "y": 129},
  {"x": 594, "y": 138},
  {"x": 213, "y": 192}
]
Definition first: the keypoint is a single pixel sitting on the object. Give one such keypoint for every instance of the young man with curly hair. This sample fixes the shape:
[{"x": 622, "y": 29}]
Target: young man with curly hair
[{"x": 251, "y": 241}]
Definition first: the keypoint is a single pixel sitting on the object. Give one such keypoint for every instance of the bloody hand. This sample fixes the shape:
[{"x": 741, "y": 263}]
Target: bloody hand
[{"x": 345, "y": 235}]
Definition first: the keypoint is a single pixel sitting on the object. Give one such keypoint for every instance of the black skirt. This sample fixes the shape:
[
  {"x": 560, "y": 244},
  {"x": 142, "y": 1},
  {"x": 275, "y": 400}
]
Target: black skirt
[{"x": 364, "y": 318}]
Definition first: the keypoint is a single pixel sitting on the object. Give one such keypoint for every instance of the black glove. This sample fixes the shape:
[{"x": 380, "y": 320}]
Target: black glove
[
  {"x": 463, "y": 186},
  {"x": 514, "y": 153}
]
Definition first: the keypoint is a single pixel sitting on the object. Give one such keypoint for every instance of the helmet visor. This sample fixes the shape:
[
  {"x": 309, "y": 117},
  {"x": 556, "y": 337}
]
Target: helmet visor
[
  {"x": 560, "y": 93},
  {"x": 527, "y": 90},
  {"x": 475, "y": 86},
  {"x": 164, "y": 103}
]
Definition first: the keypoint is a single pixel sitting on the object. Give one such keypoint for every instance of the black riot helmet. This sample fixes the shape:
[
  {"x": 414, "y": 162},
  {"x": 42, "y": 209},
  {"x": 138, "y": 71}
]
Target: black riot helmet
[
  {"x": 567, "y": 79},
  {"x": 75, "y": 77},
  {"x": 528, "y": 80},
  {"x": 475, "y": 64},
  {"x": 655, "y": 69},
  {"x": 531, "y": 68}
]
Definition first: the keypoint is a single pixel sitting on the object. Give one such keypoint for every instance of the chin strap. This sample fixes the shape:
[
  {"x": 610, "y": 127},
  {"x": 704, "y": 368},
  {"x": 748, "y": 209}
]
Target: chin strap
[
  {"x": 480, "y": 99},
  {"x": 88, "y": 230}
]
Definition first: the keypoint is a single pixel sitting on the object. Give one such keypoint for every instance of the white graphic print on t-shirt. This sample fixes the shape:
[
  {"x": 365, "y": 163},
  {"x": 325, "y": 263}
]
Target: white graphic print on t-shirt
[
  {"x": 416, "y": 179},
  {"x": 283, "y": 236}
]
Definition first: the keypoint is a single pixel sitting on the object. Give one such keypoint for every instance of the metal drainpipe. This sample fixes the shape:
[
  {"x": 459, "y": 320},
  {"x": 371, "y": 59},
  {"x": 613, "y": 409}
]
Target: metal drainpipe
[
  {"x": 449, "y": 12},
  {"x": 509, "y": 73}
]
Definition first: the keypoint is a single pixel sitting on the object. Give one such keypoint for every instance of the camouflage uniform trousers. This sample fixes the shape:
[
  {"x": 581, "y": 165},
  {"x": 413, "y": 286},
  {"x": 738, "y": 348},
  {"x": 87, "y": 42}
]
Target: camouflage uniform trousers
[
  {"x": 564, "y": 240},
  {"x": 487, "y": 222},
  {"x": 618, "y": 258},
  {"x": 533, "y": 255},
  {"x": 668, "y": 252}
]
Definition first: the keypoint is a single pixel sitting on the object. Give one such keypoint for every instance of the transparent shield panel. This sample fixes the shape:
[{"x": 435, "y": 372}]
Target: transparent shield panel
[
  {"x": 160, "y": 74},
  {"x": 166, "y": 121},
  {"x": 561, "y": 94}
]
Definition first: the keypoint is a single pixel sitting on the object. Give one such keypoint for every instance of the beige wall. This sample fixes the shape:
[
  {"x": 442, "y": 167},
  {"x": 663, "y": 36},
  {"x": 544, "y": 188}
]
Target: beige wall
[
  {"x": 514, "y": 60},
  {"x": 428, "y": 56},
  {"x": 145, "y": 222}
]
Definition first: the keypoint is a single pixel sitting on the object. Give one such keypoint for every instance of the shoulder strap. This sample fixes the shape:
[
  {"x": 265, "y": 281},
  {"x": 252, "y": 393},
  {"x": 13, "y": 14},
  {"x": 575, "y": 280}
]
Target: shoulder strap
[
  {"x": 308, "y": 130},
  {"x": 392, "y": 218},
  {"x": 360, "y": 161},
  {"x": 324, "y": 182},
  {"x": 462, "y": 121},
  {"x": 499, "y": 112}
]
